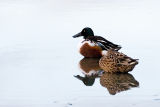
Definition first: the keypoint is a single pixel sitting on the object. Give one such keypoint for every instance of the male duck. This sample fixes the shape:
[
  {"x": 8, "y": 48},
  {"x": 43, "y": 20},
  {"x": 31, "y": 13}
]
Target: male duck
[
  {"x": 115, "y": 61},
  {"x": 93, "y": 46}
]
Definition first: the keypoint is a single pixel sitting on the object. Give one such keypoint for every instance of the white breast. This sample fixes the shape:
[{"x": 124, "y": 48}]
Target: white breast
[{"x": 89, "y": 42}]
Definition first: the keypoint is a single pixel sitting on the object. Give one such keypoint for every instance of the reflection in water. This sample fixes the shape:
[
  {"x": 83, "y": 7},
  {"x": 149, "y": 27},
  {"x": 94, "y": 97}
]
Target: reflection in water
[
  {"x": 114, "y": 82},
  {"x": 87, "y": 80},
  {"x": 90, "y": 68},
  {"x": 88, "y": 65},
  {"x": 118, "y": 82}
]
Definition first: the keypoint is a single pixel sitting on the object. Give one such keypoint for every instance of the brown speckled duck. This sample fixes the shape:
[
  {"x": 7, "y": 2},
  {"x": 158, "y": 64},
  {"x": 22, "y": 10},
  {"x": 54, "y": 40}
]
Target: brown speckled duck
[{"x": 115, "y": 61}]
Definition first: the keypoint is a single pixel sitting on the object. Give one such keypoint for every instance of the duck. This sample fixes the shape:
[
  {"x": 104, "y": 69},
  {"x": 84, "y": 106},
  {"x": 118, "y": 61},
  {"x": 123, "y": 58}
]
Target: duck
[
  {"x": 116, "y": 83},
  {"x": 94, "y": 46},
  {"x": 90, "y": 69},
  {"x": 117, "y": 62}
]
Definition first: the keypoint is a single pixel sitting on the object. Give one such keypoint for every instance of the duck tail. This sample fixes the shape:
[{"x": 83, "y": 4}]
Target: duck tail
[
  {"x": 118, "y": 47},
  {"x": 134, "y": 62}
]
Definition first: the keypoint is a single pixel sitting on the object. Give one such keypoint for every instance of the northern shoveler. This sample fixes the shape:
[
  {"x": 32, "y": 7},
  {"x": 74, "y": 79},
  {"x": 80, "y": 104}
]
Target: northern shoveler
[
  {"x": 115, "y": 61},
  {"x": 116, "y": 83},
  {"x": 91, "y": 70},
  {"x": 93, "y": 46}
]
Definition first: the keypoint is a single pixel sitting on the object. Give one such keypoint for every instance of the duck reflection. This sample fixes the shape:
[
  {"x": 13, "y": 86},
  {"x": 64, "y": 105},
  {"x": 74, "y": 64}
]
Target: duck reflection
[
  {"x": 116, "y": 83},
  {"x": 91, "y": 70}
]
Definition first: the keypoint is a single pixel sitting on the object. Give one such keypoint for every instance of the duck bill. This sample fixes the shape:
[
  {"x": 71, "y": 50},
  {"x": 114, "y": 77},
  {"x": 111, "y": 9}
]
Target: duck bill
[{"x": 77, "y": 35}]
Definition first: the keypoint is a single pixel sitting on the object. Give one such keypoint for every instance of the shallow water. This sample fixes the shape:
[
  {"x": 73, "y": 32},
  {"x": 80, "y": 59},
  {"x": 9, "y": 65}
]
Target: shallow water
[{"x": 39, "y": 58}]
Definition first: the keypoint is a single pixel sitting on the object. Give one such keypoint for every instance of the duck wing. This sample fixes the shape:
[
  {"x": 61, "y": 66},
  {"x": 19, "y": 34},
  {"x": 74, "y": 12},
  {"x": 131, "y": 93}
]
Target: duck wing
[
  {"x": 121, "y": 59},
  {"x": 126, "y": 60},
  {"x": 104, "y": 43}
]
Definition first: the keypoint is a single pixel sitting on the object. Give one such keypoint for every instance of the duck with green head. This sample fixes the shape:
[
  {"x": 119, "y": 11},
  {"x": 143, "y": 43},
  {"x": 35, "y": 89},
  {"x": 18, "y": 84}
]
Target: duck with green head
[{"x": 94, "y": 46}]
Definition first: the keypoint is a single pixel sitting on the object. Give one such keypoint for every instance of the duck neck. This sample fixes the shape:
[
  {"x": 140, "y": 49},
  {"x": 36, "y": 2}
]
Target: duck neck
[{"x": 85, "y": 37}]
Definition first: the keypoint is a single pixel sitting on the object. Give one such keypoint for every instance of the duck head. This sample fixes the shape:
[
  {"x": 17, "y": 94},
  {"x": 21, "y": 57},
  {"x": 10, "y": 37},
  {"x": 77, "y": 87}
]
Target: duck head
[
  {"x": 87, "y": 80},
  {"x": 86, "y": 32}
]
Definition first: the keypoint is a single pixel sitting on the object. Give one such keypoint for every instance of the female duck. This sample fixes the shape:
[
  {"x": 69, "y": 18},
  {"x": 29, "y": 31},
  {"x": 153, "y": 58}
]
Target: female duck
[
  {"x": 117, "y": 62},
  {"x": 93, "y": 46}
]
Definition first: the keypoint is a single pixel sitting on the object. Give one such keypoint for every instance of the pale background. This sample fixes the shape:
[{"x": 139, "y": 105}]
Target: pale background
[{"x": 38, "y": 56}]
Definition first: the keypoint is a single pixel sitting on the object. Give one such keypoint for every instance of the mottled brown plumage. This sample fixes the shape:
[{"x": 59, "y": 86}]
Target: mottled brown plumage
[
  {"x": 116, "y": 83},
  {"x": 117, "y": 62}
]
